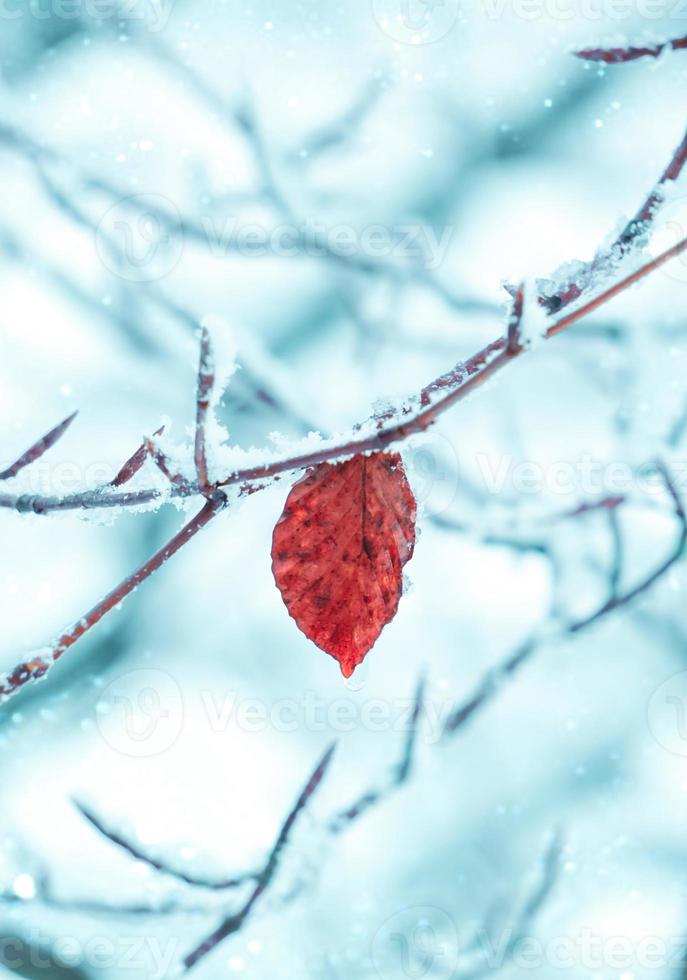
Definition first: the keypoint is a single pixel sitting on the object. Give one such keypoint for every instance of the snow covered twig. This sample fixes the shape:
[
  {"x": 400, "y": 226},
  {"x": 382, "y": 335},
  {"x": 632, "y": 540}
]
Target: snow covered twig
[{"x": 452, "y": 387}]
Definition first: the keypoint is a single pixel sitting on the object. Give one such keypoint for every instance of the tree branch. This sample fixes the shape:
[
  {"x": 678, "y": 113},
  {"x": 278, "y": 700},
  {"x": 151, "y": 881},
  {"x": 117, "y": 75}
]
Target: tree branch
[
  {"x": 157, "y": 865},
  {"x": 630, "y": 233},
  {"x": 523, "y": 921},
  {"x": 418, "y": 415},
  {"x": 38, "y": 448},
  {"x": 133, "y": 463},
  {"x": 234, "y": 922},
  {"x": 641, "y": 220},
  {"x": 336, "y": 825},
  {"x": 454, "y": 386},
  {"x": 457, "y": 384},
  {"x": 36, "y": 667},
  {"x": 400, "y": 775},
  {"x": 492, "y": 682},
  {"x": 165, "y": 467}
]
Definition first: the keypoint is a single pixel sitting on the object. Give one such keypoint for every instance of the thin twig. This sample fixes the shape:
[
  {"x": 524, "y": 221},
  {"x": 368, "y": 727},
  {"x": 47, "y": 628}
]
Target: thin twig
[
  {"x": 405, "y": 766},
  {"x": 46, "y": 898},
  {"x": 38, "y": 448},
  {"x": 400, "y": 775},
  {"x": 636, "y": 227},
  {"x": 492, "y": 682},
  {"x": 455, "y": 385},
  {"x": 524, "y": 920},
  {"x": 28, "y": 503},
  {"x": 164, "y": 465},
  {"x": 639, "y": 223},
  {"x": 588, "y": 507},
  {"x": 140, "y": 855},
  {"x": 38, "y": 666},
  {"x": 677, "y": 430},
  {"x": 616, "y": 569},
  {"x": 134, "y": 463},
  {"x": 514, "y": 324},
  {"x": 234, "y": 922}
]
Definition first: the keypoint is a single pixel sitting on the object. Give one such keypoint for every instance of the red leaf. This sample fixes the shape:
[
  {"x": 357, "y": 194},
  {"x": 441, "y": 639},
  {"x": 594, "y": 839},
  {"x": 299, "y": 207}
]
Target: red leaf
[{"x": 339, "y": 549}]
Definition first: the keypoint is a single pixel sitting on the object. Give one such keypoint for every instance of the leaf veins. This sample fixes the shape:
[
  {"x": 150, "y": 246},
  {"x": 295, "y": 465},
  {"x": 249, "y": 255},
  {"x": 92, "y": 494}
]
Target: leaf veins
[{"x": 338, "y": 552}]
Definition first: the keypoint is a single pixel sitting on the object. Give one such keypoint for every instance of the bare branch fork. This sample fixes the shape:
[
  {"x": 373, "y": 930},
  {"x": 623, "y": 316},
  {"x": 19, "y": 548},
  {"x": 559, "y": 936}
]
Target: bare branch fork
[
  {"x": 494, "y": 680},
  {"x": 418, "y": 416},
  {"x": 37, "y": 666},
  {"x": 262, "y": 878},
  {"x": 265, "y": 877},
  {"x": 400, "y": 774},
  {"x": 234, "y": 922}
]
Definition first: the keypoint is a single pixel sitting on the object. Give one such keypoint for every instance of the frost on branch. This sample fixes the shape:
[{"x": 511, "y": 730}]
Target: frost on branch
[{"x": 339, "y": 549}]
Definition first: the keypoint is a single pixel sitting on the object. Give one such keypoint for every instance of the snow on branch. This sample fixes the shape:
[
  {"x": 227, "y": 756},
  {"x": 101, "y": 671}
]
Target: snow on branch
[
  {"x": 38, "y": 664},
  {"x": 607, "y": 260},
  {"x": 474, "y": 964},
  {"x": 599, "y": 280},
  {"x": 450, "y": 388}
]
